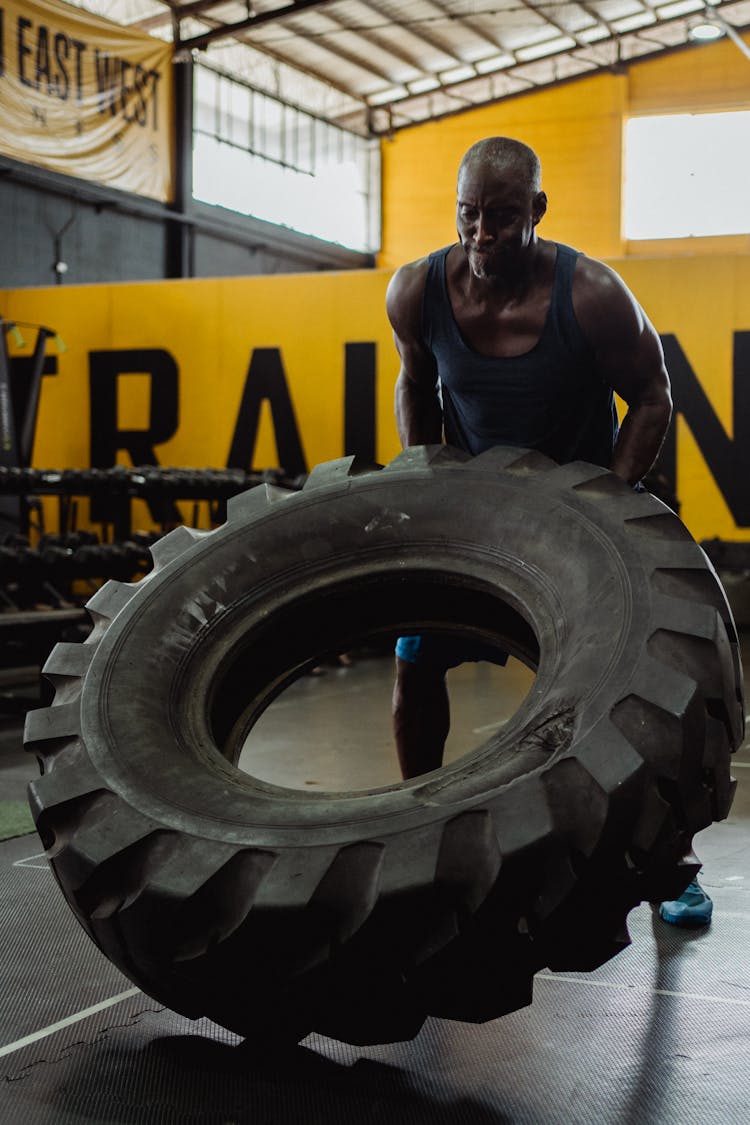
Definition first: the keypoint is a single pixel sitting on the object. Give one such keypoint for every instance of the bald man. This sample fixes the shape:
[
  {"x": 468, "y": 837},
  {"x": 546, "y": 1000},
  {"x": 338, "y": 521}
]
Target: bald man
[{"x": 506, "y": 338}]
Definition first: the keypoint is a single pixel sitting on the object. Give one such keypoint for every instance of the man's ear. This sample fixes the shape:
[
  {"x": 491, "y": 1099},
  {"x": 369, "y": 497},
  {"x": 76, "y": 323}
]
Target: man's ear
[{"x": 539, "y": 207}]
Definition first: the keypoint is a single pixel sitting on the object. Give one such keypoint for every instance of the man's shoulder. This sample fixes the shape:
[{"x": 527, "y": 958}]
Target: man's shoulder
[
  {"x": 417, "y": 270},
  {"x": 592, "y": 271},
  {"x": 411, "y": 270},
  {"x": 406, "y": 287},
  {"x": 601, "y": 299},
  {"x": 407, "y": 282},
  {"x": 594, "y": 282}
]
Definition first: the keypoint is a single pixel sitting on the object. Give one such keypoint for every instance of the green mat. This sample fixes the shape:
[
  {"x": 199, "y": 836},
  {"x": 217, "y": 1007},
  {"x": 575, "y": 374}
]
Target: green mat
[{"x": 15, "y": 819}]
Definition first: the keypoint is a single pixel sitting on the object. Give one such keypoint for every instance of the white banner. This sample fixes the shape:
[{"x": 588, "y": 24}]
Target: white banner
[{"x": 82, "y": 96}]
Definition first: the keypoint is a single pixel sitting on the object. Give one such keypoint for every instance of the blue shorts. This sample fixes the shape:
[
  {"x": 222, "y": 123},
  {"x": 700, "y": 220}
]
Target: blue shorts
[{"x": 446, "y": 652}]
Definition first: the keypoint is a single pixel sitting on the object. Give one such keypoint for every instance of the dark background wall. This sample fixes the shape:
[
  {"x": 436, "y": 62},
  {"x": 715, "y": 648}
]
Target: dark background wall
[{"x": 103, "y": 236}]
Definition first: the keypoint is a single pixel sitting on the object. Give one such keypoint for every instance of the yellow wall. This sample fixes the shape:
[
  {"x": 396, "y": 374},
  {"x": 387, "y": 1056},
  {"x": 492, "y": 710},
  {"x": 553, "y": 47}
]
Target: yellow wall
[
  {"x": 577, "y": 130},
  {"x": 704, "y": 302},
  {"x": 211, "y": 328}
]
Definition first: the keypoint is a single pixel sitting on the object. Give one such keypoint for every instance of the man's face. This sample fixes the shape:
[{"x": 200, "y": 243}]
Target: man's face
[{"x": 496, "y": 213}]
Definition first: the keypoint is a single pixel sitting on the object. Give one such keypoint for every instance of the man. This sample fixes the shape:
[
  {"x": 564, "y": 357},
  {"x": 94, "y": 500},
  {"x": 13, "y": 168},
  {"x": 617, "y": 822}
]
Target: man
[{"x": 507, "y": 338}]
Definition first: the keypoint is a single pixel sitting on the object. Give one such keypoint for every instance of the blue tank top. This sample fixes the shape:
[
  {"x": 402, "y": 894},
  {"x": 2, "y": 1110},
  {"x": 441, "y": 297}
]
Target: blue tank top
[{"x": 550, "y": 398}]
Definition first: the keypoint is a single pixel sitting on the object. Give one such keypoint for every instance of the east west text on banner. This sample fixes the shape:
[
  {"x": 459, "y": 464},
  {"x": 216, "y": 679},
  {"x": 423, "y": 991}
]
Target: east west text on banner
[{"x": 85, "y": 97}]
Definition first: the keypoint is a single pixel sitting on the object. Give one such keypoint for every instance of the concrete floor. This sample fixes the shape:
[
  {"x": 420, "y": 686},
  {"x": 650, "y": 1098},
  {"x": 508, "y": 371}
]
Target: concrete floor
[
  {"x": 348, "y": 743},
  {"x": 660, "y": 1034}
]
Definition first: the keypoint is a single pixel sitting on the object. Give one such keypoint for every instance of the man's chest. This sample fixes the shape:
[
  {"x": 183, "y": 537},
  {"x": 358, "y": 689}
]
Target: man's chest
[{"x": 501, "y": 328}]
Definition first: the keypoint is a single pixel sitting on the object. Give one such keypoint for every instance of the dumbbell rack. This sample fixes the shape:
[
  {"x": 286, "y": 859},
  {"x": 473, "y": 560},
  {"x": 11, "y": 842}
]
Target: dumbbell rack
[{"x": 45, "y": 578}]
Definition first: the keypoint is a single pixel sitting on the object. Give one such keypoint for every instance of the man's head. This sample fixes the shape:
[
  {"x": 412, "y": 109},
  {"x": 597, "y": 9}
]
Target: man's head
[
  {"x": 506, "y": 156},
  {"x": 499, "y": 204}
]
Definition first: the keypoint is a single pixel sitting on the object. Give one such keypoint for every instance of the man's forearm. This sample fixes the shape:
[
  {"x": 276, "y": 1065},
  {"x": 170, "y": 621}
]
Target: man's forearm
[
  {"x": 640, "y": 439},
  {"x": 419, "y": 419}
]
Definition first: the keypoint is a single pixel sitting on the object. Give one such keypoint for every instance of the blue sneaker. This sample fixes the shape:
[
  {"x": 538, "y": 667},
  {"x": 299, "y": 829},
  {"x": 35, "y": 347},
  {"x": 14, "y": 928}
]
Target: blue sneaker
[{"x": 692, "y": 908}]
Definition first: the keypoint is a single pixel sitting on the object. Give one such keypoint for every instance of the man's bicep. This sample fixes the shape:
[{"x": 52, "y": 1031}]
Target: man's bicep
[
  {"x": 403, "y": 302},
  {"x": 634, "y": 366},
  {"x": 626, "y": 347},
  {"x": 417, "y": 362}
]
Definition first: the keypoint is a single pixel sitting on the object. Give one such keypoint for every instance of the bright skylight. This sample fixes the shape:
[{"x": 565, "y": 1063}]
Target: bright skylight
[{"x": 686, "y": 175}]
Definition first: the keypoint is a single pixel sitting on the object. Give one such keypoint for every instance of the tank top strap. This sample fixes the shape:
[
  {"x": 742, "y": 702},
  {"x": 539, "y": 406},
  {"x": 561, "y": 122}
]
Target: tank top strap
[
  {"x": 562, "y": 314},
  {"x": 435, "y": 296}
]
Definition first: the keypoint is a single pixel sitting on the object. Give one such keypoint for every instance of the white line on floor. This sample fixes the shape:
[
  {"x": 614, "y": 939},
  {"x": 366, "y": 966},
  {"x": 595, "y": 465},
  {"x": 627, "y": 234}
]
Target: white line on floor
[
  {"x": 76, "y": 1018},
  {"x": 739, "y": 765},
  {"x": 557, "y": 978},
  {"x": 637, "y": 988},
  {"x": 27, "y": 862}
]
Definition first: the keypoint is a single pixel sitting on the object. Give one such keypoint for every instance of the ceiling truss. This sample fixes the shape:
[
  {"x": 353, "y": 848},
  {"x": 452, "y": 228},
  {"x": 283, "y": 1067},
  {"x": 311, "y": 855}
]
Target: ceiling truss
[{"x": 377, "y": 66}]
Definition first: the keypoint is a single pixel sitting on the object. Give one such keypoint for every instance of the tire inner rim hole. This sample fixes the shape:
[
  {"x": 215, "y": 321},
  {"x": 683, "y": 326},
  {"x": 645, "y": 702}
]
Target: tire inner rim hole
[{"x": 304, "y": 701}]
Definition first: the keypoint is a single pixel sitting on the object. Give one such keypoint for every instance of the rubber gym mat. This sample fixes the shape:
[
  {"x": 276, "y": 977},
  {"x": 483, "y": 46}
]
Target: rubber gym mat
[{"x": 658, "y": 1035}]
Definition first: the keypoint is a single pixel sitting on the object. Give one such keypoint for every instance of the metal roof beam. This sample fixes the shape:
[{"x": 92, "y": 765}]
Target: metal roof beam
[
  {"x": 174, "y": 11},
  {"x": 542, "y": 13},
  {"x": 597, "y": 18},
  {"x": 422, "y": 34},
  {"x": 370, "y": 35},
  {"x": 229, "y": 30},
  {"x": 472, "y": 26},
  {"x": 309, "y": 72},
  {"x": 340, "y": 53},
  {"x": 345, "y": 56}
]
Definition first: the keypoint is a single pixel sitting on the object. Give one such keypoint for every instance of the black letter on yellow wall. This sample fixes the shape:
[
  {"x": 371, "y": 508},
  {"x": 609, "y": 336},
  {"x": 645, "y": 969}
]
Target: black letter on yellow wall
[
  {"x": 266, "y": 380},
  {"x": 728, "y": 459},
  {"x": 359, "y": 401},
  {"x": 105, "y": 367}
]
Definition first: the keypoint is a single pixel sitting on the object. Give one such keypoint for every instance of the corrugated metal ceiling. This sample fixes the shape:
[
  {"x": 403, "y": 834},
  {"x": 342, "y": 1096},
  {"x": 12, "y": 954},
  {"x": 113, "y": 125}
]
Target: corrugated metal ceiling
[{"x": 377, "y": 66}]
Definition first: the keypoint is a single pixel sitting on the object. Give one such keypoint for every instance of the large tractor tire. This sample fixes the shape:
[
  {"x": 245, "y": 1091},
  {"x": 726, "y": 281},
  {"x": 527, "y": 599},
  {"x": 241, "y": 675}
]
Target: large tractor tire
[{"x": 357, "y": 914}]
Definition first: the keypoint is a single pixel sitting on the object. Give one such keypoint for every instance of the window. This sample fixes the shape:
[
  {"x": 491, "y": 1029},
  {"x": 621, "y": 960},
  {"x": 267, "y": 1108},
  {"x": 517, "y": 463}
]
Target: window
[
  {"x": 260, "y": 156},
  {"x": 687, "y": 174}
]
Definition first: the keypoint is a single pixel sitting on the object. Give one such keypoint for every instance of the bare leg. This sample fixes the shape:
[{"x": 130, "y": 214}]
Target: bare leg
[{"x": 421, "y": 717}]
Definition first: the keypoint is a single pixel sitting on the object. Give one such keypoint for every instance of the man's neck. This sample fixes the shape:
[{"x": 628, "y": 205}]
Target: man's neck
[{"x": 514, "y": 283}]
